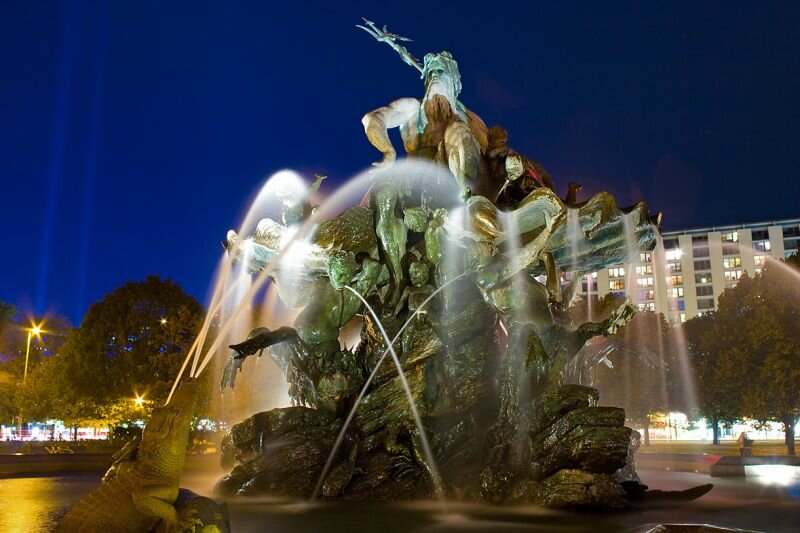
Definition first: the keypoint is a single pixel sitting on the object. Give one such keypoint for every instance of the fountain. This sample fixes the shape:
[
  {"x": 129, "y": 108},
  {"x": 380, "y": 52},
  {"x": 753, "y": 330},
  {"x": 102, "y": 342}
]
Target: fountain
[{"x": 451, "y": 263}]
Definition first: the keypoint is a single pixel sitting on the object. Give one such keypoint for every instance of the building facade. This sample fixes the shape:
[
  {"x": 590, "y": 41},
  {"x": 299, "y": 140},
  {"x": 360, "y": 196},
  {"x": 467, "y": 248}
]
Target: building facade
[{"x": 684, "y": 277}]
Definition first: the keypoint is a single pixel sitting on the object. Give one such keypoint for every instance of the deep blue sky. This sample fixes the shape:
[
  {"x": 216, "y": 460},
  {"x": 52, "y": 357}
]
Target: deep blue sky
[{"x": 133, "y": 136}]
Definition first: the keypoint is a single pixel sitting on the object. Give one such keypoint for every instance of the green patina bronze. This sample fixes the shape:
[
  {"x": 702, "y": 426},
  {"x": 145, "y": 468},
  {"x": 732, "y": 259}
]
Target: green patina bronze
[
  {"x": 140, "y": 491},
  {"x": 501, "y": 422}
]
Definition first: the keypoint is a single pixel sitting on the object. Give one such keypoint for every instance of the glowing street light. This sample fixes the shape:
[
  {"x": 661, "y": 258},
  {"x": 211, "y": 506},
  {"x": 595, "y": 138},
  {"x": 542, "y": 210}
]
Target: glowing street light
[
  {"x": 138, "y": 400},
  {"x": 163, "y": 320},
  {"x": 35, "y": 330}
]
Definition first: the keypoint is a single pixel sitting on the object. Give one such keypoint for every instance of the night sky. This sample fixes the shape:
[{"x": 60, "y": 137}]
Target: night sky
[{"x": 133, "y": 136}]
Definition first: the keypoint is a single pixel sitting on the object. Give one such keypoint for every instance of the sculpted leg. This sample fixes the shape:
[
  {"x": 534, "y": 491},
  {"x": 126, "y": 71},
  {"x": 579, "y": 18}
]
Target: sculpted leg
[
  {"x": 553, "y": 281},
  {"x": 155, "y": 500},
  {"x": 463, "y": 154},
  {"x": 392, "y": 235}
]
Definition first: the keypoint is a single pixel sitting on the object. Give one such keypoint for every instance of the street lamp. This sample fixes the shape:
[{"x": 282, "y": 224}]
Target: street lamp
[
  {"x": 35, "y": 330},
  {"x": 138, "y": 400}
]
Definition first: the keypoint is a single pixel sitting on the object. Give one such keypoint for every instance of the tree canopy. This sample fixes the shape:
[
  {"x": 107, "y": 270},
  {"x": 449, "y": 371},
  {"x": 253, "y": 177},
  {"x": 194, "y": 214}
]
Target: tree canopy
[
  {"x": 130, "y": 344},
  {"x": 746, "y": 354},
  {"x": 14, "y": 330}
]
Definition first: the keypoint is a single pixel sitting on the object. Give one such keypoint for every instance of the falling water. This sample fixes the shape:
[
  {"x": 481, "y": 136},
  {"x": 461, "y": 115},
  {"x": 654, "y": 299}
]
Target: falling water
[
  {"x": 631, "y": 254},
  {"x": 574, "y": 236},
  {"x": 786, "y": 269},
  {"x": 688, "y": 389},
  {"x": 195, "y": 348},
  {"x": 520, "y": 384},
  {"x": 365, "y": 388},
  {"x": 656, "y": 258},
  {"x": 240, "y": 286},
  {"x": 295, "y": 245},
  {"x": 268, "y": 193},
  {"x": 426, "y": 447},
  {"x": 631, "y": 250},
  {"x": 217, "y": 300},
  {"x": 257, "y": 284},
  {"x": 266, "y": 203}
]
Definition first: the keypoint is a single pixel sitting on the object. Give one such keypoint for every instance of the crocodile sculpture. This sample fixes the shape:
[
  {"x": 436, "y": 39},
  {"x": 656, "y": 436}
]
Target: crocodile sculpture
[{"x": 140, "y": 492}]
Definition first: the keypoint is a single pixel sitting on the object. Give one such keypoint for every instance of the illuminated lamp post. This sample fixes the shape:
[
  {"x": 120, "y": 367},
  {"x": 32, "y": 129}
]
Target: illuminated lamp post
[{"x": 35, "y": 330}]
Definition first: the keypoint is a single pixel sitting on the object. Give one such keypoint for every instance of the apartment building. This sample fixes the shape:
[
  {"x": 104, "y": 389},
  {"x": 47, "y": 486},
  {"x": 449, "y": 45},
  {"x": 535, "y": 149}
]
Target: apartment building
[{"x": 685, "y": 277}]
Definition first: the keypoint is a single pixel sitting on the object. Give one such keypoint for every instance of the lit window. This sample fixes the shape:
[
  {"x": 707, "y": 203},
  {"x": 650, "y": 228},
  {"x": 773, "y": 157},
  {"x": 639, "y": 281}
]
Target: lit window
[
  {"x": 682, "y": 317},
  {"x": 733, "y": 275},
  {"x": 676, "y": 280},
  {"x": 647, "y": 306},
  {"x": 731, "y": 237},
  {"x": 760, "y": 260},
  {"x": 762, "y": 246},
  {"x": 674, "y": 255},
  {"x": 644, "y": 257},
  {"x": 645, "y": 282},
  {"x": 731, "y": 262},
  {"x": 616, "y": 272},
  {"x": 644, "y": 270},
  {"x": 616, "y": 285},
  {"x": 646, "y": 295},
  {"x": 676, "y": 292}
]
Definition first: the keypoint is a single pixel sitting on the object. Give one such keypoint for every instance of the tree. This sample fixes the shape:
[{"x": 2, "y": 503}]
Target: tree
[
  {"x": 767, "y": 309},
  {"x": 14, "y": 329},
  {"x": 131, "y": 344},
  {"x": 637, "y": 374},
  {"x": 746, "y": 354},
  {"x": 794, "y": 260},
  {"x": 48, "y": 394},
  {"x": 719, "y": 372},
  {"x": 8, "y": 382},
  {"x": 7, "y": 312}
]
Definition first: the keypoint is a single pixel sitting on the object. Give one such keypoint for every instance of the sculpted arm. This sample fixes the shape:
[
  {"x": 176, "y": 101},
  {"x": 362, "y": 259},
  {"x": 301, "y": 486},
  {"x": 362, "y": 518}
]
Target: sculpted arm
[{"x": 377, "y": 123}]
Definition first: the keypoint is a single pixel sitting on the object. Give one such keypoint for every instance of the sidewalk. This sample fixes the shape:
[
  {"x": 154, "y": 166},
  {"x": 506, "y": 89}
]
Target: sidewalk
[{"x": 785, "y": 466}]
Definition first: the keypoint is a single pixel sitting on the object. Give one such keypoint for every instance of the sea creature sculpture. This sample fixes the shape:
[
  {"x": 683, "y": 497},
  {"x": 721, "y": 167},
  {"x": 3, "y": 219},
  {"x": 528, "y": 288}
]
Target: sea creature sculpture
[{"x": 140, "y": 491}]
